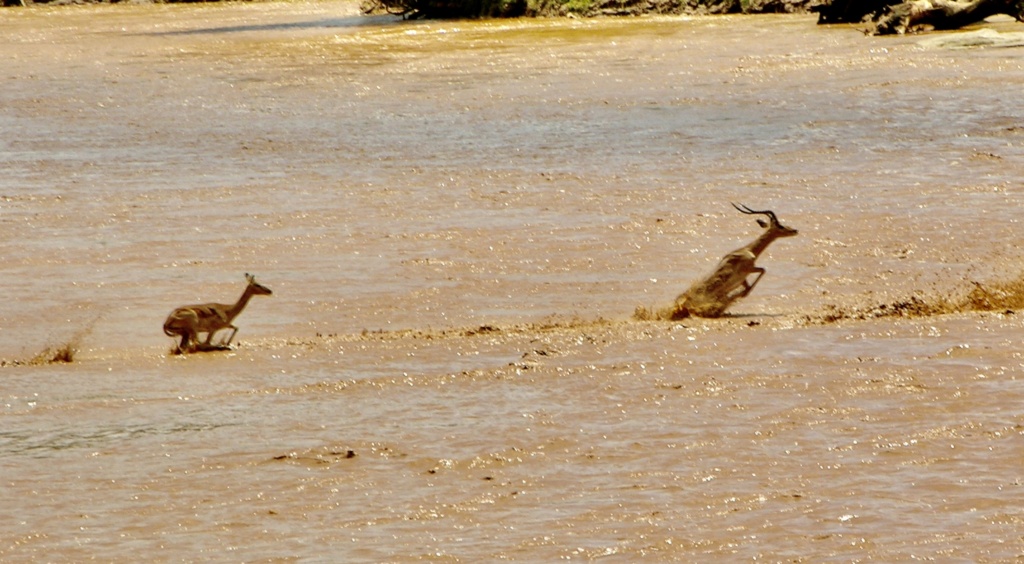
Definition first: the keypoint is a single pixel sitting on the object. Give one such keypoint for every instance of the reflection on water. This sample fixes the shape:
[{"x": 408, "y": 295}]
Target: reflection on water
[
  {"x": 458, "y": 219},
  {"x": 39, "y": 442},
  {"x": 371, "y": 22}
]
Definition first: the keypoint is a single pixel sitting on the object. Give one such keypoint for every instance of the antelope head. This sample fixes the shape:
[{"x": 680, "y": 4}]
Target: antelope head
[
  {"x": 255, "y": 288},
  {"x": 772, "y": 225}
]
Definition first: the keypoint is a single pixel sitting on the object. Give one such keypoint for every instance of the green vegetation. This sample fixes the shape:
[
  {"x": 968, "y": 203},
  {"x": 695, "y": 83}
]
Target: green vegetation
[
  {"x": 577, "y": 6},
  {"x": 441, "y": 9}
]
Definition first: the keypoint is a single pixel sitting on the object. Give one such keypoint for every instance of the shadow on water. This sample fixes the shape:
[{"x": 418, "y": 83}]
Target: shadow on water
[
  {"x": 327, "y": 23},
  {"x": 46, "y": 443}
]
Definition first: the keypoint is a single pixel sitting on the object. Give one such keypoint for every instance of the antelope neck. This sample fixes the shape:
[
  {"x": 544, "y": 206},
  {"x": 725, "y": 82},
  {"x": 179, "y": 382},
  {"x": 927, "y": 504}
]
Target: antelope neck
[
  {"x": 757, "y": 246},
  {"x": 241, "y": 303}
]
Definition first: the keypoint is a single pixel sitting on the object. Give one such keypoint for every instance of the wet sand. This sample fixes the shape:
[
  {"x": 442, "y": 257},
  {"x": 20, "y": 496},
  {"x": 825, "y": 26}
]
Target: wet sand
[{"x": 458, "y": 220}]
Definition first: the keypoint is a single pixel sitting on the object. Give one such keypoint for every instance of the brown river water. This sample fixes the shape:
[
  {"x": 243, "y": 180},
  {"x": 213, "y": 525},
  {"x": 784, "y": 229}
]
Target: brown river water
[{"x": 458, "y": 220}]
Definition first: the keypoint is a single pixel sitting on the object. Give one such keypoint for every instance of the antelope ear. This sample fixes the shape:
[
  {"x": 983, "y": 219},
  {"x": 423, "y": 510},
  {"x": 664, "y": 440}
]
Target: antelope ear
[{"x": 762, "y": 223}]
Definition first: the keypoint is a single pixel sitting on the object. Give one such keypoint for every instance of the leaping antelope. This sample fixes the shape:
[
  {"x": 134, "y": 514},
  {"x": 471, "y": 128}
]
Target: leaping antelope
[
  {"x": 712, "y": 295},
  {"x": 189, "y": 321}
]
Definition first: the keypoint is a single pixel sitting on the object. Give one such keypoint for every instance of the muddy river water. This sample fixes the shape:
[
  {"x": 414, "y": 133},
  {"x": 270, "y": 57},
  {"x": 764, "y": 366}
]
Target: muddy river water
[{"x": 458, "y": 220}]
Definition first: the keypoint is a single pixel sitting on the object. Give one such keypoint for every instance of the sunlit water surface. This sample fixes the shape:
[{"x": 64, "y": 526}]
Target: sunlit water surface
[{"x": 458, "y": 220}]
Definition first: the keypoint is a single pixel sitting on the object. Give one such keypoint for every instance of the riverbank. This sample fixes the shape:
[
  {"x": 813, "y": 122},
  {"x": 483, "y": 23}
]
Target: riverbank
[{"x": 557, "y": 8}]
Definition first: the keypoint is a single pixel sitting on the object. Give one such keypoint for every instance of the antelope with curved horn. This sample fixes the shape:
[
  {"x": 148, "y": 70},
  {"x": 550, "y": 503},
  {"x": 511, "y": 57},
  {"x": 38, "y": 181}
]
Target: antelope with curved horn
[
  {"x": 712, "y": 295},
  {"x": 189, "y": 321}
]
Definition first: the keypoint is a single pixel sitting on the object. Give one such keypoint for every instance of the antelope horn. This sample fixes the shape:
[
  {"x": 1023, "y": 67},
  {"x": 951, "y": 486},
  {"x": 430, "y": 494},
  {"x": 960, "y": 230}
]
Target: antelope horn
[{"x": 748, "y": 211}]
